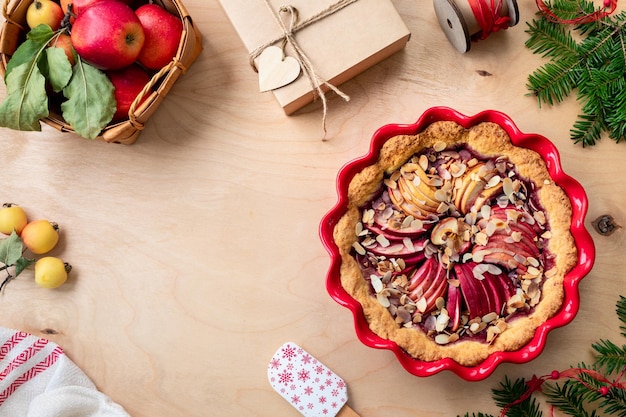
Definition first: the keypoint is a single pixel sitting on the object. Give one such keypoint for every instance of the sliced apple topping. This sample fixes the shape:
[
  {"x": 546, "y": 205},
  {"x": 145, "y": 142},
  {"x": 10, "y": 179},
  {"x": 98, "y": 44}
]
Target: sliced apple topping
[{"x": 454, "y": 244}]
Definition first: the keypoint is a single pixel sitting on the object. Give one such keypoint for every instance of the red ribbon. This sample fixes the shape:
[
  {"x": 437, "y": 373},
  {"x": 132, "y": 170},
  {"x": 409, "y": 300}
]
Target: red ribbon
[
  {"x": 535, "y": 384},
  {"x": 609, "y": 7},
  {"x": 487, "y": 14}
]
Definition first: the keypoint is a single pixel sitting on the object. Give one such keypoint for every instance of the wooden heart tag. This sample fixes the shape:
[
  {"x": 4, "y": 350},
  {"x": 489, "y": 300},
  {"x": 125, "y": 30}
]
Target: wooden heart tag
[{"x": 276, "y": 70}]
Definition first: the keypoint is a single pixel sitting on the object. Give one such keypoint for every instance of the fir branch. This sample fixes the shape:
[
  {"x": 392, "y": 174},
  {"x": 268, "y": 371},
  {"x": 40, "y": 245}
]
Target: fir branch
[
  {"x": 569, "y": 398},
  {"x": 621, "y": 314},
  {"x": 549, "y": 40},
  {"x": 588, "y": 390},
  {"x": 610, "y": 356},
  {"x": 507, "y": 395},
  {"x": 595, "y": 67}
]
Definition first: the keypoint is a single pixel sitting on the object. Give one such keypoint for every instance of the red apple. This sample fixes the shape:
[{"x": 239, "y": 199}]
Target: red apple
[
  {"x": 163, "y": 31},
  {"x": 64, "y": 42},
  {"x": 108, "y": 35},
  {"x": 128, "y": 83},
  {"x": 80, "y": 5}
]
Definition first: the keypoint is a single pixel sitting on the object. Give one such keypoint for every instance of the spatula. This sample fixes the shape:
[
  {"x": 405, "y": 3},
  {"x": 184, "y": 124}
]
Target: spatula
[{"x": 307, "y": 384}]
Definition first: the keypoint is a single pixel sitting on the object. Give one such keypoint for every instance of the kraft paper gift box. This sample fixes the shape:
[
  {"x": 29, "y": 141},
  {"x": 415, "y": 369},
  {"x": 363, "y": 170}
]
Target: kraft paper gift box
[{"x": 339, "y": 46}]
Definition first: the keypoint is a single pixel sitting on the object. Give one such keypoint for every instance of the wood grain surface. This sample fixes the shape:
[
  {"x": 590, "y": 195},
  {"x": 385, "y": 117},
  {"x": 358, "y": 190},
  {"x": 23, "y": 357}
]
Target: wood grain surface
[{"x": 196, "y": 251}]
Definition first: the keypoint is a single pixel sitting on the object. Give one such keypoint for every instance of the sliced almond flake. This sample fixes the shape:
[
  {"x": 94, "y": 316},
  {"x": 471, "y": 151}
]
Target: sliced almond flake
[
  {"x": 407, "y": 221},
  {"x": 439, "y": 146},
  {"x": 516, "y": 236},
  {"x": 441, "y": 195},
  {"x": 423, "y": 162},
  {"x": 479, "y": 255},
  {"x": 401, "y": 263},
  {"x": 550, "y": 272},
  {"x": 377, "y": 284},
  {"x": 383, "y": 241},
  {"x": 507, "y": 186},
  {"x": 417, "y": 180},
  {"x": 358, "y": 248},
  {"x": 358, "y": 228},
  {"x": 443, "y": 207},
  {"x": 454, "y": 282},
  {"x": 417, "y": 224},
  {"x": 489, "y": 317},
  {"x": 494, "y": 269},
  {"x": 442, "y": 322},
  {"x": 383, "y": 300},
  {"x": 391, "y": 184},
  {"x": 417, "y": 318},
  {"x": 422, "y": 304},
  {"x": 533, "y": 271},
  {"x": 485, "y": 211},
  {"x": 409, "y": 167},
  {"x": 387, "y": 213},
  {"x": 479, "y": 270},
  {"x": 457, "y": 169},
  {"x": 442, "y": 339},
  {"x": 466, "y": 257},
  {"x": 520, "y": 259},
  {"x": 435, "y": 182},
  {"x": 440, "y": 303},
  {"x": 491, "y": 228},
  {"x": 547, "y": 234},
  {"x": 540, "y": 217},
  {"x": 368, "y": 216},
  {"x": 533, "y": 262},
  {"x": 395, "y": 176},
  {"x": 493, "y": 181},
  {"x": 408, "y": 243},
  {"x": 481, "y": 239}
]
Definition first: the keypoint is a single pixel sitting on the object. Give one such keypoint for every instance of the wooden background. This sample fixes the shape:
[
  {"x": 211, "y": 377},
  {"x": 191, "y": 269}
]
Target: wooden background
[{"x": 196, "y": 250}]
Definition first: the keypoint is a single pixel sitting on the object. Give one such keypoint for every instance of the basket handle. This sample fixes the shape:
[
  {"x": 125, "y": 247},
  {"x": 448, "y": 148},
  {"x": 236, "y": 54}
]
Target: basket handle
[
  {"x": 7, "y": 14},
  {"x": 146, "y": 90}
]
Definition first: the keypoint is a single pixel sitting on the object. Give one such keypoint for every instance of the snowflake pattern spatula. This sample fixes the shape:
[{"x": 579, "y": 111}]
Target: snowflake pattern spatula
[{"x": 307, "y": 384}]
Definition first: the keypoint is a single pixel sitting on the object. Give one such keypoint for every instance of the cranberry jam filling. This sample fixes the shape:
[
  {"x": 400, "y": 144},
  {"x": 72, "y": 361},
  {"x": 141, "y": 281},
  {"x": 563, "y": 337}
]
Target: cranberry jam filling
[{"x": 454, "y": 244}]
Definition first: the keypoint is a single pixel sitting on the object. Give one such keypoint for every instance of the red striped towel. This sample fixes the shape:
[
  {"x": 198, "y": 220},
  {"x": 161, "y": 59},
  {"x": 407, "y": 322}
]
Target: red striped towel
[{"x": 38, "y": 380}]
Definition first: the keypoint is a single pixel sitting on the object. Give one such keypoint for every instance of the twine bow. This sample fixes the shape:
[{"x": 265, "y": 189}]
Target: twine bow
[{"x": 289, "y": 29}]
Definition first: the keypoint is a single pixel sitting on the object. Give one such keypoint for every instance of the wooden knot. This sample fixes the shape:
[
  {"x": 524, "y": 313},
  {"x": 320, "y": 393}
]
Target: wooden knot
[{"x": 605, "y": 225}]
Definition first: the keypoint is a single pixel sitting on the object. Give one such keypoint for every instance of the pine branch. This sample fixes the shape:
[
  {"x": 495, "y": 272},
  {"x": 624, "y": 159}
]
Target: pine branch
[
  {"x": 610, "y": 356},
  {"x": 621, "y": 314},
  {"x": 569, "y": 398},
  {"x": 615, "y": 402},
  {"x": 553, "y": 82},
  {"x": 550, "y": 40},
  {"x": 509, "y": 392},
  {"x": 595, "y": 67}
]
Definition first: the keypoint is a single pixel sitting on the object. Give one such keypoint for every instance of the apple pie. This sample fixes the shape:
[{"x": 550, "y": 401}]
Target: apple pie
[{"x": 456, "y": 242}]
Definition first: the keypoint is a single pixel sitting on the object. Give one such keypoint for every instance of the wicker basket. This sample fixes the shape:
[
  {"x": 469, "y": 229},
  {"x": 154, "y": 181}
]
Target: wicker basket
[{"x": 13, "y": 33}]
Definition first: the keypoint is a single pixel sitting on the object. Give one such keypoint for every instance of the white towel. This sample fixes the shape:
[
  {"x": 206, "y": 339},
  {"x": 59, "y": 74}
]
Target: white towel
[{"x": 38, "y": 380}]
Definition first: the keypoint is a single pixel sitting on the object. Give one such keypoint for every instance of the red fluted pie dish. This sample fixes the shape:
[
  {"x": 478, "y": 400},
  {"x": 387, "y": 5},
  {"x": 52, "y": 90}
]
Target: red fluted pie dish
[{"x": 457, "y": 242}]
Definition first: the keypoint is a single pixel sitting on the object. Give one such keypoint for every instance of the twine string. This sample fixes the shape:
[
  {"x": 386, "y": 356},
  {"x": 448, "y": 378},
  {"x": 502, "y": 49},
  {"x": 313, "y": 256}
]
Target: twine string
[
  {"x": 289, "y": 28},
  {"x": 608, "y": 7},
  {"x": 487, "y": 14}
]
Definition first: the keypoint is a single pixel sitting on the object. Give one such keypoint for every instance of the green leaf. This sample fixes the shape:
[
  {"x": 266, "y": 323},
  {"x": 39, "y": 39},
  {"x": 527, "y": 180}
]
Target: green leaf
[
  {"x": 29, "y": 50},
  {"x": 11, "y": 249},
  {"x": 26, "y": 101},
  {"x": 91, "y": 100},
  {"x": 21, "y": 264},
  {"x": 59, "y": 69}
]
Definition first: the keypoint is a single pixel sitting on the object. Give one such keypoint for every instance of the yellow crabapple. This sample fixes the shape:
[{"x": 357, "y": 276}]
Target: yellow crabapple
[
  {"x": 51, "y": 272},
  {"x": 40, "y": 236},
  {"x": 12, "y": 217},
  {"x": 44, "y": 12}
]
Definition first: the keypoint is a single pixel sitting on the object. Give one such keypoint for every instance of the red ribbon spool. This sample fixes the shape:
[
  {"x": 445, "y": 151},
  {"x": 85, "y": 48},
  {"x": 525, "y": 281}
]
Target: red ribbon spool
[{"x": 467, "y": 21}]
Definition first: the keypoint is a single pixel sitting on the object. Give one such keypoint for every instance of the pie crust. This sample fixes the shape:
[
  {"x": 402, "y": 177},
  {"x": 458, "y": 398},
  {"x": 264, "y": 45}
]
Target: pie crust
[{"x": 489, "y": 141}]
